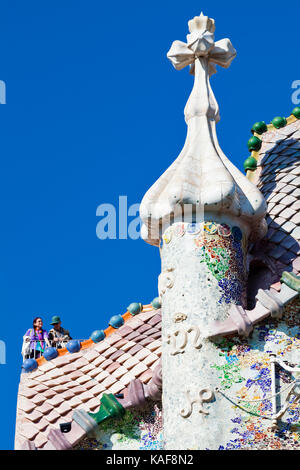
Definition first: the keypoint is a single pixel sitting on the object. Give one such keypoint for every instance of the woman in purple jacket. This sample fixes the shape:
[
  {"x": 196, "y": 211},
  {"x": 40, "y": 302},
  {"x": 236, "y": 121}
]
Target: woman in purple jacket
[{"x": 38, "y": 339}]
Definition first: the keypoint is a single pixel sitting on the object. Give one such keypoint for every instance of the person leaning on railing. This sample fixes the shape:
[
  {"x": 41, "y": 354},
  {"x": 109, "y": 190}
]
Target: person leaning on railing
[
  {"x": 58, "y": 336},
  {"x": 35, "y": 340}
]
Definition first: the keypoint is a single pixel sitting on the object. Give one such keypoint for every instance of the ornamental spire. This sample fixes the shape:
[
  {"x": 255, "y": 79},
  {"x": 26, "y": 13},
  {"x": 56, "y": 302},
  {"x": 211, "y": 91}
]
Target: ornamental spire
[{"x": 202, "y": 179}]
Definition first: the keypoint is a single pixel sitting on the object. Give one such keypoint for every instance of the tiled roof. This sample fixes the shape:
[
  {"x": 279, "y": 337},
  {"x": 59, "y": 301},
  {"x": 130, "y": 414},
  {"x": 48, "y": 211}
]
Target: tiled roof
[
  {"x": 278, "y": 177},
  {"x": 49, "y": 395}
]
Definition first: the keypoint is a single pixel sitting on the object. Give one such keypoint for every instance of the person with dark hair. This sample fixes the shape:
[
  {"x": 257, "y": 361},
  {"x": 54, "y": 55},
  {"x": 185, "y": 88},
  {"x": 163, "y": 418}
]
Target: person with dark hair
[{"x": 35, "y": 340}]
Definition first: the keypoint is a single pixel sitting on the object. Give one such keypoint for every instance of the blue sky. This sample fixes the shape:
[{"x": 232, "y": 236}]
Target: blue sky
[{"x": 95, "y": 110}]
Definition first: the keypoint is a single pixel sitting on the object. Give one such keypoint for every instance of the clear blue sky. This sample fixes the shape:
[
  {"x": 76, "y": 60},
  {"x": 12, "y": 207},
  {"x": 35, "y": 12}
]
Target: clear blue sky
[{"x": 95, "y": 110}]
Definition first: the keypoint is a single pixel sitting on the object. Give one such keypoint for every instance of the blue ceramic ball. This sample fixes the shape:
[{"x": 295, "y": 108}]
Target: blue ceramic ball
[
  {"x": 73, "y": 346},
  {"x": 29, "y": 365},
  {"x": 156, "y": 303},
  {"x": 135, "y": 308},
  {"x": 116, "y": 321},
  {"x": 97, "y": 336},
  {"x": 50, "y": 353}
]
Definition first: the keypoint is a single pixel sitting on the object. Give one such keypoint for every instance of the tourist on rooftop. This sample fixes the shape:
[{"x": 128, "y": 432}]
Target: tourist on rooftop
[
  {"x": 58, "y": 335},
  {"x": 37, "y": 339}
]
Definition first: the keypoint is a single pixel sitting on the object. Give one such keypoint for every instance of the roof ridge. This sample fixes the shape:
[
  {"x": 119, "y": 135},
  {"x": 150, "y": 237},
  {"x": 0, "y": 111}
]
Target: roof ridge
[
  {"x": 75, "y": 346},
  {"x": 255, "y": 142}
]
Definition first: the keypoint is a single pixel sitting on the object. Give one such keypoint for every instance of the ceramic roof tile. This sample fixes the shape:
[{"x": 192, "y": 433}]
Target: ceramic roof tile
[
  {"x": 99, "y": 361},
  {"x": 83, "y": 379},
  {"x": 81, "y": 362},
  {"x": 120, "y": 343},
  {"x": 97, "y": 389},
  {"x": 154, "y": 345},
  {"x": 67, "y": 369},
  {"x": 126, "y": 378},
  {"x": 146, "y": 341},
  {"x": 149, "y": 360},
  {"x": 102, "y": 346},
  {"x": 155, "y": 319},
  {"x": 38, "y": 399},
  {"x": 75, "y": 375},
  {"x": 52, "y": 416},
  {"x": 112, "y": 339},
  {"x": 34, "y": 416},
  {"x": 121, "y": 370},
  {"x": 42, "y": 424},
  {"x": 152, "y": 331},
  {"x": 101, "y": 376},
  {"x": 109, "y": 381},
  {"x": 106, "y": 363},
  {"x": 124, "y": 331},
  {"x": 91, "y": 355},
  {"x": 47, "y": 366},
  {"x": 156, "y": 363},
  {"x": 112, "y": 367},
  {"x": 26, "y": 392},
  {"x": 55, "y": 401},
  {"x": 109, "y": 352},
  {"x": 116, "y": 387},
  {"x": 133, "y": 336},
  {"x": 143, "y": 328},
  {"x": 93, "y": 373},
  {"x": 88, "y": 368},
  {"x": 144, "y": 352},
  {"x": 49, "y": 393},
  {"x": 139, "y": 369},
  {"x": 146, "y": 376},
  {"x": 123, "y": 358},
  {"x": 135, "y": 322},
  {"x": 156, "y": 335},
  {"x": 29, "y": 431},
  {"x": 136, "y": 348},
  {"x": 116, "y": 355},
  {"x": 62, "y": 380},
  {"x": 78, "y": 389},
  {"x": 130, "y": 363},
  {"x": 74, "y": 402},
  {"x": 40, "y": 440},
  {"x": 127, "y": 345},
  {"x": 45, "y": 407},
  {"x": 86, "y": 396}
]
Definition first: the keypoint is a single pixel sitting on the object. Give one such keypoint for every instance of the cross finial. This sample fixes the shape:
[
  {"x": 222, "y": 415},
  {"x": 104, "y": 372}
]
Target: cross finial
[{"x": 200, "y": 43}]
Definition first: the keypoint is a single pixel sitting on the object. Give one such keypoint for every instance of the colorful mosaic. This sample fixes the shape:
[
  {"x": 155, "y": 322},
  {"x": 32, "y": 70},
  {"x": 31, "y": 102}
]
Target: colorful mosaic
[
  {"x": 137, "y": 430},
  {"x": 245, "y": 379},
  {"x": 222, "y": 248},
  {"x": 225, "y": 258}
]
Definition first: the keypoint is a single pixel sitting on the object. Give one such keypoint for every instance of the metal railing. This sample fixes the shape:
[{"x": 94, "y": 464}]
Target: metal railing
[{"x": 36, "y": 353}]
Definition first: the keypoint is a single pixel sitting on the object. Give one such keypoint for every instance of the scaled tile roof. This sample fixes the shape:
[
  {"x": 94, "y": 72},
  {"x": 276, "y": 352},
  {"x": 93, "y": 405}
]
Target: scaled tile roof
[
  {"x": 278, "y": 177},
  {"x": 49, "y": 395}
]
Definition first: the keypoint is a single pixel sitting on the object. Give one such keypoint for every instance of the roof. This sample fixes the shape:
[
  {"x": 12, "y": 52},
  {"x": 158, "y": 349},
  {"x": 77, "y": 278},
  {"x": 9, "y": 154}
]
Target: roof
[
  {"x": 278, "y": 177},
  {"x": 49, "y": 395}
]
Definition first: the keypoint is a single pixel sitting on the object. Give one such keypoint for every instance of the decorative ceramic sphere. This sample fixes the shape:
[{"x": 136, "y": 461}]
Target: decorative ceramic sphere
[
  {"x": 50, "y": 353},
  {"x": 156, "y": 303},
  {"x": 259, "y": 127},
  {"x": 73, "y": 346},
  {"x": 135, "y": 308},
  {"x": 97, "y": 336},
  {"x": 29, "y": 365},
  {"x": 250, "y": 164},
  {"x": 296, "y": 112},
  {"x": 279, "y": 122},
  {"x": 254, "y": 143},
  {"x": 116, "y": 321}
]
